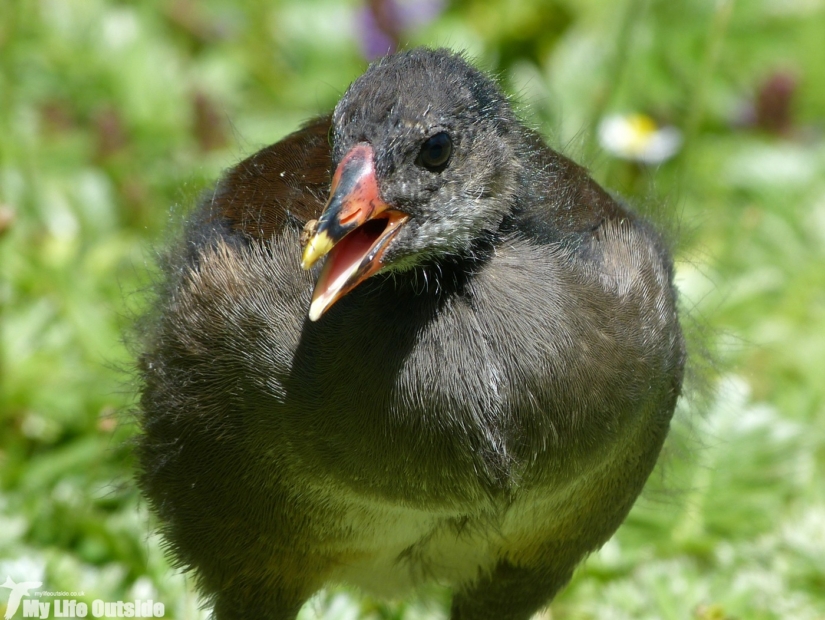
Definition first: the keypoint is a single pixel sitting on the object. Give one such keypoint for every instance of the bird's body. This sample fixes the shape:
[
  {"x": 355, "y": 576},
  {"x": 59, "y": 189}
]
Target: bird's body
[{"x": 482, "y": 412}]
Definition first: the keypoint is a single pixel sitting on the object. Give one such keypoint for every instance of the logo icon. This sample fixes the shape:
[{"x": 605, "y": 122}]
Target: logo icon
[{"x": 18, "y": 591}]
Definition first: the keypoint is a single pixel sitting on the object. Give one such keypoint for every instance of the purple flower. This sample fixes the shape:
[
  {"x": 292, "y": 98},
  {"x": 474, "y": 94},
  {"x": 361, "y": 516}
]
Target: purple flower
[{"x": 382, "y": 22}]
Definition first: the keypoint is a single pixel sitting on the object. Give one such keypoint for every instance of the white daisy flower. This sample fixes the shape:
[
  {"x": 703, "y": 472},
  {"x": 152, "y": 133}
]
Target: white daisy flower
[{"x": 637, "y": 137}]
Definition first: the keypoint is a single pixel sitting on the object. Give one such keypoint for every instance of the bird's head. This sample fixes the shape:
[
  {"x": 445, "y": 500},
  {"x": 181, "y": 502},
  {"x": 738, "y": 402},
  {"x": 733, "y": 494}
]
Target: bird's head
[{"x": 423, "y": 145}]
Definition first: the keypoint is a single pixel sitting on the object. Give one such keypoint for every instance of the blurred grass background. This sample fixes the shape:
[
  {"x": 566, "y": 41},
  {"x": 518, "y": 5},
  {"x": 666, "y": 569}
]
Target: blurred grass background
[{"x": 115, "y": 114}]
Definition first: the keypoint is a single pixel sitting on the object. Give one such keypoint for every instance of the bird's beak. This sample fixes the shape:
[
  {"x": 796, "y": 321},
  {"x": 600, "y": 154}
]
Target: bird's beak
[{"x": 353, "y": 231}]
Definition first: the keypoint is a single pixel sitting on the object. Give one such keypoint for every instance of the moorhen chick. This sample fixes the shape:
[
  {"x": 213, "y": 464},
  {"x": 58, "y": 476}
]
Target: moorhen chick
[{"x": 470, "y": 388}]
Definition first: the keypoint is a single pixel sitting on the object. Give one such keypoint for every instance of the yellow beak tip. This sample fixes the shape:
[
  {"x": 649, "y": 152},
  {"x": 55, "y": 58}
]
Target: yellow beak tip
[{"x": 318, "y": 246}]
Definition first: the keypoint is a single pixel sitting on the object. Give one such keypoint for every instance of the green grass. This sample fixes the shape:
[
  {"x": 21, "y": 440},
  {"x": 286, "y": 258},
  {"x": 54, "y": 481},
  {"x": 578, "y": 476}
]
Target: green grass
[{"x": 114, "y": 115}]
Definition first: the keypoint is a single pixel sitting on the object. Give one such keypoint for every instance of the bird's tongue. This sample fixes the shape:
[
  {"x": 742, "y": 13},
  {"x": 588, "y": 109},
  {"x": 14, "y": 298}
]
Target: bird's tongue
[{"x": 346, "y": 257}]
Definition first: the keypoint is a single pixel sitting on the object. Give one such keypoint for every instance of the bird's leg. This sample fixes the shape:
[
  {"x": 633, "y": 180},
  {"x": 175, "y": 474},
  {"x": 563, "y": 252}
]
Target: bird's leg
[{"x": 509, "y": 592}]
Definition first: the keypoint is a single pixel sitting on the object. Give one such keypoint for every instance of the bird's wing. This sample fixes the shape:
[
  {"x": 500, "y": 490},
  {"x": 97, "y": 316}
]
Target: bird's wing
[
  {"x": 574, "y": 204},
  {"x": 285, "y": 183}
]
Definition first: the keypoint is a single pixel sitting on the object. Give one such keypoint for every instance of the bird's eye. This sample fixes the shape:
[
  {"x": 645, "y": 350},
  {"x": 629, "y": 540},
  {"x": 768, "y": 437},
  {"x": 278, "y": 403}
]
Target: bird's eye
[{"x": 435, "y": 152}]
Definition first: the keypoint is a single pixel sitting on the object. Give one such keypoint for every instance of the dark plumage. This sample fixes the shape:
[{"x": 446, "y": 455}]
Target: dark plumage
[{"x": 481, "y": 401}]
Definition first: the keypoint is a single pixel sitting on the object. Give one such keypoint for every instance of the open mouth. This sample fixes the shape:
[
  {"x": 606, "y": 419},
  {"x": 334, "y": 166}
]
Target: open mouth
[{"x": 356, "y": 257}]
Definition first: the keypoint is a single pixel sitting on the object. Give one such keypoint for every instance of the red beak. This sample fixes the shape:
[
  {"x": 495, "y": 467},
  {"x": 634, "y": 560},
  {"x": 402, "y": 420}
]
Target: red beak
[{"x": 353, "y": 231}]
